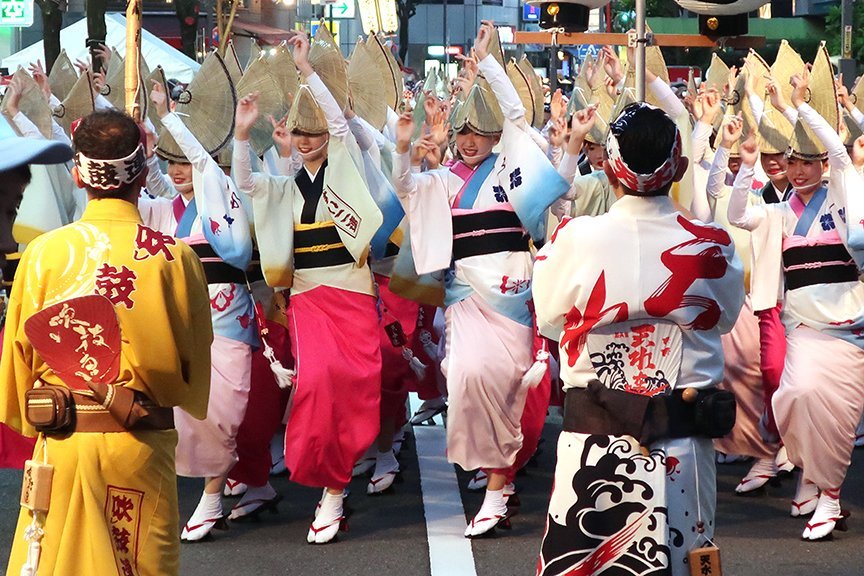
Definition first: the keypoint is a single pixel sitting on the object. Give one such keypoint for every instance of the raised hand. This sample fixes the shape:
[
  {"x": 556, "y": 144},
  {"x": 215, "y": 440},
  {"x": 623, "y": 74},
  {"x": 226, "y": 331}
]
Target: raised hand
[
  {"x": 775, "y": 94},
  {"x": 749, "y": 150},
  {"x": 41, "y": 78},
  {"x": 800, "y": 87},
  {"x": 404, "y": 131},
  {"x": 470, "y": 67},
  {"x": 710, "y": 105},
  {"x": 13, "y": 96},
  {"x": 557, "y": 106},
  {"x": 612, "y": 64},
  {"x": 581, "y": 125},
  {"x": 857, "y": 153},
  {"x": 246, "y": 116},
  {"x": 731, "y": 132},
  {"x": 301, "y": 54},
  {"x": 484, "y": 37},
  {"x": 557, "y": 132},
  {"x": 159, "y": 99},
  {"x": 281, "y": 135},
  {"x": 843, "y": 94}
]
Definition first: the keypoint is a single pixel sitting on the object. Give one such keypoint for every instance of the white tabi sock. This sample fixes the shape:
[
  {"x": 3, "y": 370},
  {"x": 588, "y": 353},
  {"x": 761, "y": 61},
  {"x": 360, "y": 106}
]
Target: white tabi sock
[
  {"x": 494, "y": 504},
  {"x": 209, "y": 507},
  {"x": 385, "y": 462}
]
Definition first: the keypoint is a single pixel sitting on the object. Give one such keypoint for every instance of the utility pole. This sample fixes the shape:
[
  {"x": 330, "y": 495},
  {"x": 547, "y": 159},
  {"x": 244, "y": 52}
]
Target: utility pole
[
  {"x": 847, "y": 63},
  {"x": 641, "y": 43}
]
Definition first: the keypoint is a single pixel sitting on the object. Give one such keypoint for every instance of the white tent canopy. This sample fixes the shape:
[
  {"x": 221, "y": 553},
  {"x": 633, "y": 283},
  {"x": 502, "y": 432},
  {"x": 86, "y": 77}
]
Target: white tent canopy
[{"x": 156, "y": 52}]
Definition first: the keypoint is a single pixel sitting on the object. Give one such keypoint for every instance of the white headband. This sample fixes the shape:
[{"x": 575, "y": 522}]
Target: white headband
[{"x": 111, "y": 174}]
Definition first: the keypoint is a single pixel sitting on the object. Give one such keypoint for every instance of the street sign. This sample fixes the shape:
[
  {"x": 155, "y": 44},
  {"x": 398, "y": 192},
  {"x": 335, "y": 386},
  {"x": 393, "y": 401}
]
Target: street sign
[
  {"x": 332, "y": 26},
  {"x": 530, "y": 13},
  {"x": 342, "y": 9},
  {"x": 15, "y": 13},
  {"x": 583, "y": 50}
]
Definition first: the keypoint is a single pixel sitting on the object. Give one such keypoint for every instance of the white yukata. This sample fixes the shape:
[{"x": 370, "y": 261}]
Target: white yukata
[
  {"x": 215, "y": 225},
  {"x": 660, "y": 301},
  {"x": 489, "y": 322},
  {"x": 817, "y": 251}
]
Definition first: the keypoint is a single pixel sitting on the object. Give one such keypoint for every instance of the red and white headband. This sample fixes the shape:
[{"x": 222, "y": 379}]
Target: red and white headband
[
  {"x": 111, "y": 174},
  {"x": 633, "y": 180}
]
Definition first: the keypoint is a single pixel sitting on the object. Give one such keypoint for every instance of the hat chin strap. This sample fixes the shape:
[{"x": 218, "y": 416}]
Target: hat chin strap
[
  {"x": 808, "y": 187},
  {"x": 312, "y": 153}
]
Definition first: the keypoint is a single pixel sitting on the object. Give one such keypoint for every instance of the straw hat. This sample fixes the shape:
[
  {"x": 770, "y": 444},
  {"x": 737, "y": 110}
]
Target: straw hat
[
  {"x": 114, "y": 89},
  {"x": 327, "y": 60},
  {"x": 254, "y": 52},
  {"x": 853, "y": 130},
  {"x": 581, "y": 80},
  {"x": 691, "y": 83},
  {"x": 284, "y": 72},
  {"x": 77, "y": 104},
  {"x": 157, "y": 75},
  {"x": 207, "y": 108},
  {"x": 787, "y": 63},
  {"x": 441, "y": 88},
  {"x": 523, "y": 89},
  {"x": 600, "y": 130},
  {"x": 654, "y": 62},
  {"x": 627, "y": 97},
  {"x": 775, "y": 131},
  {"x": 392, "y": 87},
  {"x": 306, "y": 116},
  {"x": 365, "y": 81},
  {"x": 857, "y": 94},
  {"x": 823, "y": 99},
  {"x": 32, "y": 103},
  {"x": 62, "y": 76},
  {"x": 232, "y": 62},
  {"x": 739, "y": 103},
  {"x": 480, "y": 112},
  {"x": 536, "y": 90},
  {"x": 271, "y": 102},
  {"x": 495, "y": 48},
  {"x": 419, "y": 114}
]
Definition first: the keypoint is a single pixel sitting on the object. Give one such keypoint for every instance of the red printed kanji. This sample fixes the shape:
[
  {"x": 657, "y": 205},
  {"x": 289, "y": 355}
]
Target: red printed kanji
[
  {"x": 126, "y": 568},
  {"x": 514, "y": 285},
  {"x": 640, "y": 335},
  {"x": 116, "y": 285},
  {"x": 686, "y": 269},
  {"x": 577, "y": 324},
  {"x": 121, "y": 539},
  {"x": 121, "y": 506},
  {"x": 149, "y": 242}
]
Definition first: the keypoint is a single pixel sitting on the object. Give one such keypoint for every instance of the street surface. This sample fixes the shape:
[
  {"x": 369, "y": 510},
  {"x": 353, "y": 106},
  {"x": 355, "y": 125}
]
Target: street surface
[{"x": 389, "y": 536}]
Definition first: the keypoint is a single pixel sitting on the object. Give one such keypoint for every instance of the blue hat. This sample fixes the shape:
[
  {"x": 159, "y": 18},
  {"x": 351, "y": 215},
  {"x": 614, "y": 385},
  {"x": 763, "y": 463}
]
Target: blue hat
[{"x": 16, "y": 151}]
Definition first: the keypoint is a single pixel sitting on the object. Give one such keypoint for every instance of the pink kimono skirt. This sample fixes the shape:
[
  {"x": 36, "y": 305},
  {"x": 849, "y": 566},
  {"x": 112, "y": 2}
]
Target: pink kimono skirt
[{"x": 335, "y": 415}]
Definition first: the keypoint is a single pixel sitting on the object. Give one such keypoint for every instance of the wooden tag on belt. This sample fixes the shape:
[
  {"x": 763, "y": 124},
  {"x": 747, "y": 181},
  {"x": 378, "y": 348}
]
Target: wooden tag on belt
[
  {"x": 705, "y": 561},
  {"x": 36, "y": 489}
]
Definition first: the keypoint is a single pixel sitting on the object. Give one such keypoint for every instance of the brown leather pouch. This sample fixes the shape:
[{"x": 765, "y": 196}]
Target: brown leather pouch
[{"x": 50, "y": 408}]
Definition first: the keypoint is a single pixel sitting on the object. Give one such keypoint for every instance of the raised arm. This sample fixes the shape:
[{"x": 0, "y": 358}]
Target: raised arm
[
  {"x": 739, "y": 213},
  {"x": 504, "y": 90}
]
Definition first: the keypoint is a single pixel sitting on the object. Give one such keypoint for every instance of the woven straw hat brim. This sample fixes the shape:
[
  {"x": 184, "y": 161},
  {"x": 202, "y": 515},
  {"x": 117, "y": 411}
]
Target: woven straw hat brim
[
  {"x": 823, "y": 99},
  {"x": 581, "y": 80},
  {"x": 327, "y": 60},
  {"x": 284, "y": 72},
  {"x": 853, "y": 130},
  {"x": 523, "y": 89},
  {"x": 536, "y": 90},
  {"x": 305, "y": 115},
  {"x": 114, "y": 89},
  {"x": 365, "y": 81},
  {"x": 419, "y": 115},
  {"x": 787, "y": 63},
  {"x": 32, "y": 103},
  {"x": 207, "y": 108},
  {"x": 627, "y": 97},
  {"x": 232, "y": 63},
  {"x": 62, "y": 76},
  {"x": 395, "y": 71},
  {"x": 495, "y": 48},
  {"x": 718, "y": 73},
  {"x": 391, "y": 87},
  {"x": 480, "y": 112},
  {"x": 655, "y": 62},
  {"x": 430, "y": 83},
  {"x": 77, "y": 104},
  {"x": 157, "y": 75},
  {"x": 691, "y": 82},
  {"x": 857, "y": 94},
  {"x": 271, "y": 102},
  {"x": 254, "y": 52},
  {"x": 775, "y": 131}
]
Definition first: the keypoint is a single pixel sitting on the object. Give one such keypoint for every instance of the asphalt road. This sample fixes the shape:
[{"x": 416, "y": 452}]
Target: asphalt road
[{"x": 388, "y": 534}]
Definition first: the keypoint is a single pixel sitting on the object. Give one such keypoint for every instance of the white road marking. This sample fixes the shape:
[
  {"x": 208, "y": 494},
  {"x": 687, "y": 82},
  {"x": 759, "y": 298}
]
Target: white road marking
[{"x": 450, "y": 553}]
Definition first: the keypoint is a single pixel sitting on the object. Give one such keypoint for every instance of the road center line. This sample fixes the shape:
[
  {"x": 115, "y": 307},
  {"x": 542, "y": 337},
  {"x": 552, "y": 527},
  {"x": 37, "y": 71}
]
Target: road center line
[{"x": 450, "y": 553}]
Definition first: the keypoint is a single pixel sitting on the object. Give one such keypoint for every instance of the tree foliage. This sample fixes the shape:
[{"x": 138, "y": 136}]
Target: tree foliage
[{"x": 834, "y": 31}]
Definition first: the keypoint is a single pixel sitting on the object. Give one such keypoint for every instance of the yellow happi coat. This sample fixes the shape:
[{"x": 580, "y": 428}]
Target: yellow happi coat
[{"x": 114, "y": 496}]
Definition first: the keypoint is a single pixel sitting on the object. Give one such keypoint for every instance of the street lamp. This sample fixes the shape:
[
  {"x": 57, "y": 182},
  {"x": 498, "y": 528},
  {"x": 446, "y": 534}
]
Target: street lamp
[{"x": 378, "y": 16}]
